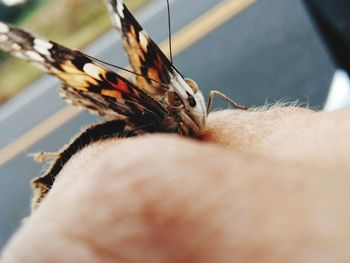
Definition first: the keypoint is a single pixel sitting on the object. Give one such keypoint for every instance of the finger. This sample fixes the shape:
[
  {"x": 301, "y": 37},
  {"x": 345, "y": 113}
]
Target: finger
[
  {"x": 295, "y": 134},
  {"x": 166, "y": 199},
  {"x": 250, "y": 129}
]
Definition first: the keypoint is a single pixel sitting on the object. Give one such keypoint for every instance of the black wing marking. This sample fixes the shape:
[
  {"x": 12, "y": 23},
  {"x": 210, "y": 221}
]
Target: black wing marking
[
  {"x": 145, "y": 56},
  {"x": 86, "y": 82}
]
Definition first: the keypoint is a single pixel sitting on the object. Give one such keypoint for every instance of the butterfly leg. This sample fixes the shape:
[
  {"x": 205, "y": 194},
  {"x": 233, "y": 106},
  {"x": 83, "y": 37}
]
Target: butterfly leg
[
  {"x": 215, "y": 93},
  {"x": 42, "y": 157}
]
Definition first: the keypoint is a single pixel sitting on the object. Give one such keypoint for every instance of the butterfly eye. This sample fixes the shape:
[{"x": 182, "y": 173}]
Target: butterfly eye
[
  {"x": 174, "y": 99},
  {"x": 193, "y": 85}
]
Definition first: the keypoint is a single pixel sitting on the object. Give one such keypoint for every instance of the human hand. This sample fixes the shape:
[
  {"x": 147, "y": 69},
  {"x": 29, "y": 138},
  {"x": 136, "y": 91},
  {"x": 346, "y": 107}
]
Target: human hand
[{"x": 266, "y": 186}]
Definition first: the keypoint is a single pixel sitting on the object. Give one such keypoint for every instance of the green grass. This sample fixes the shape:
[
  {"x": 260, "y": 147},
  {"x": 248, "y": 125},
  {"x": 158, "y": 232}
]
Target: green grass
[{"x": 73, "y": 23}]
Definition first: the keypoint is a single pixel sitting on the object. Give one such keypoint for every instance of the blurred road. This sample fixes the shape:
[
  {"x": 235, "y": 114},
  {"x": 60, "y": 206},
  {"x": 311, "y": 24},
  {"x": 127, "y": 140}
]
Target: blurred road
[{"x": 264, "y": 52}]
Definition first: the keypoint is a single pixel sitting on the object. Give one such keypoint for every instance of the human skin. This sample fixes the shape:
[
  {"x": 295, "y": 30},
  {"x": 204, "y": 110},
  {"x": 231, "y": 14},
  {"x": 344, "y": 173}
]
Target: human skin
[{"x": 262, "y": 186}]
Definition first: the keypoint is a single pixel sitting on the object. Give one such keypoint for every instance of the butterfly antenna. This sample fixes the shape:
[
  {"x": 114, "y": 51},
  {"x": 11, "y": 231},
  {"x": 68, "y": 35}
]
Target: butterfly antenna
[
  {"x": 127, "y": 70},
  {"x": 169, "y": 32}
]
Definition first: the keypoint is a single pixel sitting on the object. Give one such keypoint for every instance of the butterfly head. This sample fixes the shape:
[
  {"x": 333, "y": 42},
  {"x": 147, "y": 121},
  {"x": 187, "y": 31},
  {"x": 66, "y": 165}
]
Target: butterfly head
[{"x": 188, "y": 101}]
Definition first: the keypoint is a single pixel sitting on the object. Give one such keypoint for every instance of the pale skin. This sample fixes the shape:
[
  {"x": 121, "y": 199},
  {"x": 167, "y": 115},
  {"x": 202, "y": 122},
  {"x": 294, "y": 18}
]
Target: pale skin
[{"x": 264, "y": 186}]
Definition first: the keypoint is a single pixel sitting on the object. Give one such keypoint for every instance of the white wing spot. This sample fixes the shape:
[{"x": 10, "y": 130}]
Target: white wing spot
[
  {"x": 143, "y": 40},
  {"x": 4, "y": 28},
  {"x": 92, "y": 70},
  {"x": 42, "y": 46},
  {"x": 3, "y": 38},
  {"x": 34, "y": 56},
  {"x": 16, "y": 47},
  {"x": 19, "y": 54},
  {"x": 120, "y": 8},
  {"x": 117, "y": 21}
]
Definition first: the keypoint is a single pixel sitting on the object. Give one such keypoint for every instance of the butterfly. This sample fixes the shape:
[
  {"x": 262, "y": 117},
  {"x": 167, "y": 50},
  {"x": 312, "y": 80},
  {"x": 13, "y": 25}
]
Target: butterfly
[{"x": 161, "y": 100}]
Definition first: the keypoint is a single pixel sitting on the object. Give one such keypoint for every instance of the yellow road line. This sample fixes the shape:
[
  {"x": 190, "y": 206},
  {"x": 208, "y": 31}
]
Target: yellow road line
[
  {"x": 44, "y": 128},
  {"x": 207, "y": 23},
  {"x": 181, "y": 40}
]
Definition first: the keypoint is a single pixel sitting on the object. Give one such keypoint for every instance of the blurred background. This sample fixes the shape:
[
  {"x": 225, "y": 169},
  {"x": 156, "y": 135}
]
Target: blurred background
[{"x": 256, "y": 52}]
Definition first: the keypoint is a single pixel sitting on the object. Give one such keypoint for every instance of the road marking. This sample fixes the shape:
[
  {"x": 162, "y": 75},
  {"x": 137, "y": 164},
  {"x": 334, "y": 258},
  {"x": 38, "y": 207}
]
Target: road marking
[
  {"x": 196, "y": 30},
  {"x": 207, "y": 22},
  {"x": 37, "y": 133}
]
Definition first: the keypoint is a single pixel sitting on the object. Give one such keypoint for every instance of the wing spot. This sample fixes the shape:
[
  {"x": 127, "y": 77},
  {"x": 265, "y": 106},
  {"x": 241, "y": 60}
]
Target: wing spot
[
  {"x": 111, "y": 93},
  {"x": 73, "y": 76},
  {"x": 16, "y": 47},
  {"x": 3, "y": 38},
  {"x": 92, "y": 70},
  {"x": 42, "y": 46},
  {"x": 143, "y": 40},
  {"x": 120, "y": 8},
  {"x": 154, "y": 74},
  {"x": 4, "y": 28},
  {"x": 19, "y": 54},
  {"x": 117, "y": 21},
  {"x": 34, "y": 56},
  {"x": 122, "y": 86}
]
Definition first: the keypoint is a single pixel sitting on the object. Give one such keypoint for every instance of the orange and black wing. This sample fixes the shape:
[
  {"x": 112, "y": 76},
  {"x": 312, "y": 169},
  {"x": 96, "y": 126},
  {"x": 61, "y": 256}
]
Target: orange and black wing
[
  {"x": 145, "y": 56},
  {"x": 170, "y": 88},
  {"x": 85, "y": 82}
]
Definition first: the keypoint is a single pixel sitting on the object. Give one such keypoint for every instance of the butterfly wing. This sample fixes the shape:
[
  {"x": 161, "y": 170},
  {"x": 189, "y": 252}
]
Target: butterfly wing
[
  {"x": 85, "y": 82},
  {"x": 146, "y": 58}
]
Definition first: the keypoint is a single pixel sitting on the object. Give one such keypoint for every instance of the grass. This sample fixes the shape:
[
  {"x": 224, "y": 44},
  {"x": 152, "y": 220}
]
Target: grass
[{"x": 73, "y": 23}]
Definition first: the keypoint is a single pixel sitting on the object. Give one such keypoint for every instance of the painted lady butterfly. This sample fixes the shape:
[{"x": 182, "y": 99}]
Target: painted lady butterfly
[{"x": 161, "y": 101}]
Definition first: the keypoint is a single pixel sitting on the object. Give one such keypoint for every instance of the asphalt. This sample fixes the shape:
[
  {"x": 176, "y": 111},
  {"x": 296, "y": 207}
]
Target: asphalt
[{"x": 267, "y": 53}]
